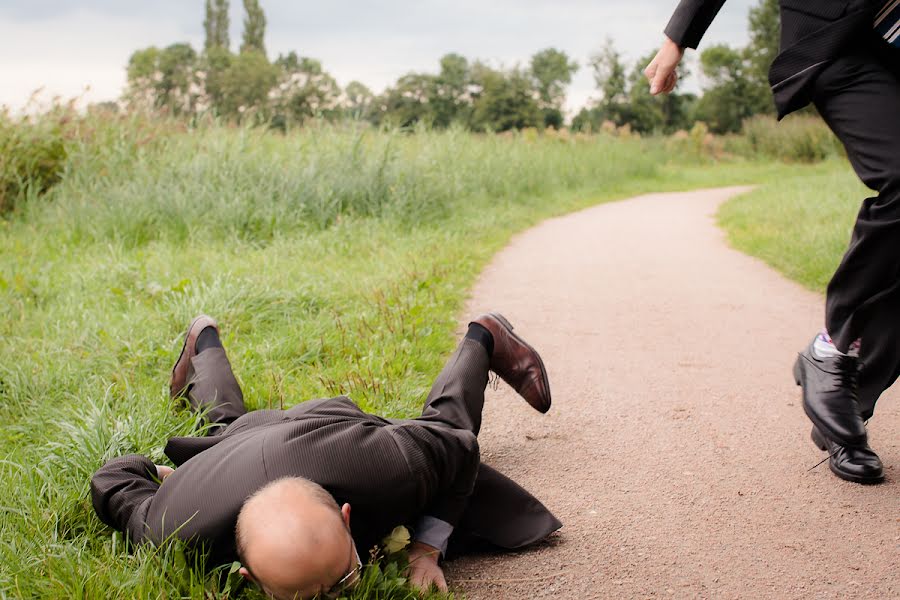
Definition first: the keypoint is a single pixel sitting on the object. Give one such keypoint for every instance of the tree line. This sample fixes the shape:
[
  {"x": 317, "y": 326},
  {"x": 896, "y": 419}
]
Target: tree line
[{"x": 246, "y": 86}]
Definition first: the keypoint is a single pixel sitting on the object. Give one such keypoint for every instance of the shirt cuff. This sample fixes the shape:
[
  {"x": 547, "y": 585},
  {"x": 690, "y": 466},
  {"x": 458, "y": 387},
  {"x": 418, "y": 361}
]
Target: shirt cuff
[{"x": 434, "y": 532}]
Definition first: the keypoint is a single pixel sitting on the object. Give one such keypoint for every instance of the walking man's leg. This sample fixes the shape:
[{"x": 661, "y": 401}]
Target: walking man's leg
[{"x": 858, "y": 96}]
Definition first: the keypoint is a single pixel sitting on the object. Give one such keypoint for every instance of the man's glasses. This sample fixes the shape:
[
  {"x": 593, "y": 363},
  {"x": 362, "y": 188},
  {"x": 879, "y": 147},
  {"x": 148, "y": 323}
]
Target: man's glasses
[{"x": 348, "y": 581}]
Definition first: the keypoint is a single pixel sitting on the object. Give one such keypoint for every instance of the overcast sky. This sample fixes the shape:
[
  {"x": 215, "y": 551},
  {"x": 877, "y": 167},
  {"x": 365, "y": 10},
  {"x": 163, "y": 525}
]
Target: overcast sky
[{"x": 66, "y": 46}]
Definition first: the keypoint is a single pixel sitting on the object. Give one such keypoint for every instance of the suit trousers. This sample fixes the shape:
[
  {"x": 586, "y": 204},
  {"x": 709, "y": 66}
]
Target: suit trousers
[
  {"x": 858, "y": 96},
  {"x": 455, "y": 401}
]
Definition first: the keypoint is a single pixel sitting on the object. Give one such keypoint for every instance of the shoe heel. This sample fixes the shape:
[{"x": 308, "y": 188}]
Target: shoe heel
[
  {"x": 816, "y": 436},
  {"x": 797, "y": 371}
]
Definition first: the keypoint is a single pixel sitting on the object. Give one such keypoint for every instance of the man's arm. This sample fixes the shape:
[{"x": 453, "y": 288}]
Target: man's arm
[
  {"x": 687, "y": 25},
  {"x": 121, "y": 491},
  {"x": 445, "y": 511}
]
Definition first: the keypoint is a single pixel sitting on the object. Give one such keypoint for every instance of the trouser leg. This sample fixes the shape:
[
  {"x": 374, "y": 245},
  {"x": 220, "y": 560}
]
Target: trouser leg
[
  {"x": 212, "y": 385},
  {"x": 457, "y": 396},
  {"x": 858, "y": 96},
  {"x": 446, "y": 458}
]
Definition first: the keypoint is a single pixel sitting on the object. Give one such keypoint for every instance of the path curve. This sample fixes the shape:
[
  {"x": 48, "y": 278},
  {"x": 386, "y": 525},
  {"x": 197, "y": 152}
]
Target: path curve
[{"x": 676, "y": 451}]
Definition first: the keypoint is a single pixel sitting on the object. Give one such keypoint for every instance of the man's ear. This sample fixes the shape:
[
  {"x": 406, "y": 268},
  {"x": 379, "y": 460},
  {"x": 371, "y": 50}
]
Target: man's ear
[
  {"x": 345, "y": 514},
  {"x": 247, "y": 574}
]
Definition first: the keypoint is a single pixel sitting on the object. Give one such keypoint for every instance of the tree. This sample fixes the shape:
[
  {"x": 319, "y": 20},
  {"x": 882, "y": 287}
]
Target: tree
[
  {"x": 164, "y": 78},
  {"x": 215, "y": 63},
  {"x": 358, "y": 99},
  {"x": 254, "y": 28},
  {"x": 504, "y": 100},
  {"x": 732, "y": 97},
  {"x": 765, "y": 31},
  {"x": 304, "y": 89},
  {"x": 245, "y": 86},
  {"x": 552, "y": 71},
  {"x": 449, "y": 98},
  {"x": 609, "y": 74},
  {"x": 142, "y": 67},
  {"x": 610, "y": 78},
  {"x": 407, "y": 102},
  {"x": 216, "y": 24}
]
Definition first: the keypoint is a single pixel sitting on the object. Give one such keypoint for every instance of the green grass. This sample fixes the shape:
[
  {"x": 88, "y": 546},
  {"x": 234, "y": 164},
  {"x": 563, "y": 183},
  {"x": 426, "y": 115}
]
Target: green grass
[
  {"x": 800, "y": 226},
  {"x": 335, "y": 259}
]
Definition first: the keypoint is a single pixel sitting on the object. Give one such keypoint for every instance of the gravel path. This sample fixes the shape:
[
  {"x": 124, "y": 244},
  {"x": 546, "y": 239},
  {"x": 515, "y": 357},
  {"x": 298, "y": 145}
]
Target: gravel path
[{"x": 676, "y": 452}]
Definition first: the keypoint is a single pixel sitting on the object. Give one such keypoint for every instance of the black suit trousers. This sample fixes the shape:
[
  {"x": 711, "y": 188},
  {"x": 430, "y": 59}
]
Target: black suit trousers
[{"x": 858, "y": 95}]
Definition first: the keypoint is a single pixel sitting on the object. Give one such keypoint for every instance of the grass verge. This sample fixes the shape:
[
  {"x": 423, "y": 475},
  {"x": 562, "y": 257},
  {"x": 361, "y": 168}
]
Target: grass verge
[{"x": 800, "y": 225}]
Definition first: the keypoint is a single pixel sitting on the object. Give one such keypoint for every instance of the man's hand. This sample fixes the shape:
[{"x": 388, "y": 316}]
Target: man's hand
[
  {"x": 163, "y": 471},
  {"x": 661, "y": 71},
  {"x": 423, "y": 567}
]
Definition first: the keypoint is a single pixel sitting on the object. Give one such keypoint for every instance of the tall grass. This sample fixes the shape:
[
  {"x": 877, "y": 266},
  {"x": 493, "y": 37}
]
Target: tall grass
[{"x": 335, "y": 258}]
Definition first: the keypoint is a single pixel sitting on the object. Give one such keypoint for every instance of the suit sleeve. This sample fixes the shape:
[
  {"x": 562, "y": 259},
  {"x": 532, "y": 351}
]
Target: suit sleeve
[
  {"x": 445, "y": 511},
  {"x": 691, "y": 20},
  {"x": 121, "y": 491}
]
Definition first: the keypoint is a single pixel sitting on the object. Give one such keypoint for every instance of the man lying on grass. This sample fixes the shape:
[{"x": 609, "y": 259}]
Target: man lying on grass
[{"x": 274, "y": 489}]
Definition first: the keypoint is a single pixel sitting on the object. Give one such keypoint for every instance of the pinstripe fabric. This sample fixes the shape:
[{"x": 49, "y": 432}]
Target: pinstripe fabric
[
  {"x": 390, "y": 471},
  {"x": 212, "y": 386},
  {"x": 690, "y": 21}
]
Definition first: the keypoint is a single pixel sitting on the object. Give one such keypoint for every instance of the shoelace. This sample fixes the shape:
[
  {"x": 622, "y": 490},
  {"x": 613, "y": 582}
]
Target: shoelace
[
  {"x": 830, "y": 456},
  {"x": 848, "y": 368}
]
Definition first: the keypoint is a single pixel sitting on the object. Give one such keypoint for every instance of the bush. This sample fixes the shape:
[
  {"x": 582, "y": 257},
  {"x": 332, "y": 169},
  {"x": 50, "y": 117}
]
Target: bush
[
  {"x": 39, "y": 151},
  {"x": 32, "y": 157},
  {"x": 698, "y": 144},
  {"x": 799, "y": 138}
]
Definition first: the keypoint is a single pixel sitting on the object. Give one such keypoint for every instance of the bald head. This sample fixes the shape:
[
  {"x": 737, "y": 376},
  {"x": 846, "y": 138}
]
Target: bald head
[{"x": 294, "y": 539}]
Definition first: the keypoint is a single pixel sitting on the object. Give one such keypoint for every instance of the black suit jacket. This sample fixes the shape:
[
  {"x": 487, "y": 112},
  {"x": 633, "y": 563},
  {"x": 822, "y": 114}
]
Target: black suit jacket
[
  {"x": 813, "y": 33},
  {"x": 387, "y": 470}
]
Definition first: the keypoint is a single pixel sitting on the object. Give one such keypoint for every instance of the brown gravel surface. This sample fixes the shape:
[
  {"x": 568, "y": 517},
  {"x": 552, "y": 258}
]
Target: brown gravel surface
[{"x": 676, "y": 452}]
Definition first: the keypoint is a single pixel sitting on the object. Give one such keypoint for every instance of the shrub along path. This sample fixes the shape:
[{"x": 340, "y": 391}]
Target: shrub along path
[{"x": 676, "y": 452}]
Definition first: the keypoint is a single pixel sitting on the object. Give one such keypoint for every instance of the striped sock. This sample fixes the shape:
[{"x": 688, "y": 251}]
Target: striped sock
[{"x": 823, "y": 347}]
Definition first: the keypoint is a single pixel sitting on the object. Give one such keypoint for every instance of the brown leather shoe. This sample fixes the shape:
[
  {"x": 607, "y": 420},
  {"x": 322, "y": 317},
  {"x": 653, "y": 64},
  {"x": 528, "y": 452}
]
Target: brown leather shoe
[
  {"x": 517, "y": 363},
  {"x": 188, "y": 351}
]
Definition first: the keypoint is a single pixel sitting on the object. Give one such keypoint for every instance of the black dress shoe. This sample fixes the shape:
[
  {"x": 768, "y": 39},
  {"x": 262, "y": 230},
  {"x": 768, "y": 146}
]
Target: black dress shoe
[
  {"x": 859, "y": 465},
  {"x": 830, "y": 396}
]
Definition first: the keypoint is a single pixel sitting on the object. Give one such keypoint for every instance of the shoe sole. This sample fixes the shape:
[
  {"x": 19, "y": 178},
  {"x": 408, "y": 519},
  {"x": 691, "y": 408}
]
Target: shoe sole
[
  {"x": 811, "y": 415},
  {"x": 819, "y": 440},
  {"x": 544, "y": 376}
]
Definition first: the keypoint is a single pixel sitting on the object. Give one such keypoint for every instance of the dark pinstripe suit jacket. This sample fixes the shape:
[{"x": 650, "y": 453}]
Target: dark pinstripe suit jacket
[
  {"x": 375, "y": 464},
  {"x": 813, "y": 33}
]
